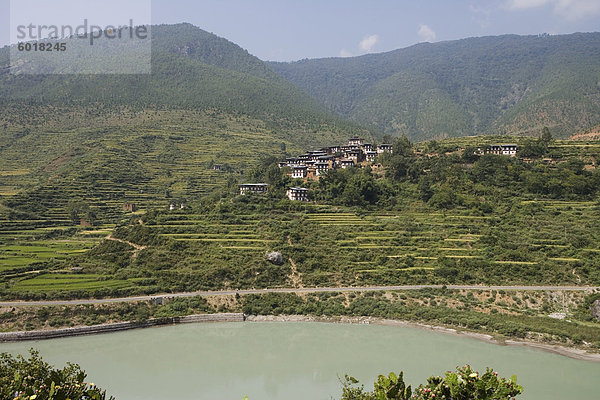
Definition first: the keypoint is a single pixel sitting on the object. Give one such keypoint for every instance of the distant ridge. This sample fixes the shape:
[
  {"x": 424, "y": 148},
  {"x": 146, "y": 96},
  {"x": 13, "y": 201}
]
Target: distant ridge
[{"x": 505, "y": 84}]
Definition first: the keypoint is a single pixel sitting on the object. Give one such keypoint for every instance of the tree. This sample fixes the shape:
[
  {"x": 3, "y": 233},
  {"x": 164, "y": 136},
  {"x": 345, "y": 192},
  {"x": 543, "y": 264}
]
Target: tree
[
  {"x": 25, "y": 379},
  {"x": 401, "y": 160},
  {"x": 533, "y": 148},
  {"x": 360, "y": 189},
  {"x": 464, "y": 384},
  {"x": 546, "y": 137},
  {"x": 444, "y": 197},
  {"x": 78, "y": 210},
  {"x": 469, "y": 155}
]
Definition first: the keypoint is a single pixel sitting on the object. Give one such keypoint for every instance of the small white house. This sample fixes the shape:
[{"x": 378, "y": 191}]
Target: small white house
[
  {"x": 257, "y": 188},
  {"x": 385, "y": 148},
  {"x": 297, "y": 194},
  {"x": 355, "y": 141},
  {"x": 347, "y": 163},
  {"x": 321, "y": 168},
  {"x": 299, "y": 171},
  {"x": 371, "y": 156},
  {"x": 504, "y": 149}
]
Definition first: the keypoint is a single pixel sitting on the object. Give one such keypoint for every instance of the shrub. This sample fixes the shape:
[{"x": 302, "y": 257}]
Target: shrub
[
  {"x": 28, "y": 379},
  {"x": 464, "y": 384}
]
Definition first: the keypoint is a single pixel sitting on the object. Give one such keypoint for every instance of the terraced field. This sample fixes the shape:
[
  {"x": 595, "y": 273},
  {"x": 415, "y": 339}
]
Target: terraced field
[
  {"x": 147, "y": 158},
  {"x": 196, "y": 228},
  {"x": 322, "y": 246},
  {"x": 55, "y": 282}
]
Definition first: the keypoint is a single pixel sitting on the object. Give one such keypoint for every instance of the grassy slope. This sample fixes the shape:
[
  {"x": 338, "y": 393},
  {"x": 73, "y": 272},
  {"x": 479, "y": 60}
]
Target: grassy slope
[{"x": 482, "y": 85}]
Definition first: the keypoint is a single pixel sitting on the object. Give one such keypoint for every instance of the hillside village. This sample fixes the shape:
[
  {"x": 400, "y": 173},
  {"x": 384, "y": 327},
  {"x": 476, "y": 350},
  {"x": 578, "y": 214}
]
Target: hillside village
[{"x": 357, "y": 153}]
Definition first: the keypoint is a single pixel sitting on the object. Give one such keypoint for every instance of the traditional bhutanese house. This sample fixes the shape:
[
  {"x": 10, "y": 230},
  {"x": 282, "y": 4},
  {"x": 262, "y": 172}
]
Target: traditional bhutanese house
[
  {"x": 282, "y": 164},
  {"x": 385, "y": 148},
  {"x": 356, "y": 155},
  {"x": 217, "y": 167},
  {"x": 321, "y": 168},
  {"x": 347, "y": 163},
  {"x": 303, "y": 158},
  {"x": 247, "y": 188},
  {"x": 299, "y": 171},
  {"x": 297, "y": 194},
  {"x": 315, "y": 156},
  {"x": 366, "y": 147},
  {"x": 503, "y": 149},
  {"x": 355, "y": 141},
  {"x": 292, "y": 161},
  {"x": 350, "y": 147},
  {"x": 333, "y": 149},
  {"x": 329, "y": 160},
  {"x": 371, "y": 156}
]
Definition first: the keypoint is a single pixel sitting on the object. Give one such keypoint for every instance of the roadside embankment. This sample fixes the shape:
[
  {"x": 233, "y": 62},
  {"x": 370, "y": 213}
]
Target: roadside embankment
[{"x": 116, "y": 327}]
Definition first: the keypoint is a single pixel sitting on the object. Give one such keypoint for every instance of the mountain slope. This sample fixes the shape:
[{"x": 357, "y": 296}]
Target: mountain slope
[
  {"x": 191, "y": 68},
  {"x": 148, "y": 139},
  {"x": 513, "y": 84}
]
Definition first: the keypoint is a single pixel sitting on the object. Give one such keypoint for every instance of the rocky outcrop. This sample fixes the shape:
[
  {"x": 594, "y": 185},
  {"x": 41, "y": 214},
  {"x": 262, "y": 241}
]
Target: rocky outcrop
[
  {"x": 275, "y": 257},
  {"x": 595, "y": 310}
]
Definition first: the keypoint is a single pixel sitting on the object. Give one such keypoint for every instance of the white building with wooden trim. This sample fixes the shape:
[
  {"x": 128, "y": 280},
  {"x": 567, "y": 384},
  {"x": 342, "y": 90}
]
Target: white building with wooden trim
[
  {"x": 297, "y": 194},
  {"x": 385, "y": 148},
  {"x": 503, "y": 149},
  {"x": 347, "y": 163},
  {"x": 299, "y": 171},
  {"x": 256, "y": 188},
  {"x": 356, "y": 141}
]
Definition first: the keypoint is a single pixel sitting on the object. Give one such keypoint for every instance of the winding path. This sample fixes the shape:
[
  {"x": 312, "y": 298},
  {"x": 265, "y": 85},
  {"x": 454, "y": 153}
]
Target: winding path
[{"x": 295, "y": 290}]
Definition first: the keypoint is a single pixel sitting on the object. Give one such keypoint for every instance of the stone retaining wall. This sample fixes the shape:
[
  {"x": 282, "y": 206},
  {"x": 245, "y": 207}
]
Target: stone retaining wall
[{"x": 116, "y": 327}]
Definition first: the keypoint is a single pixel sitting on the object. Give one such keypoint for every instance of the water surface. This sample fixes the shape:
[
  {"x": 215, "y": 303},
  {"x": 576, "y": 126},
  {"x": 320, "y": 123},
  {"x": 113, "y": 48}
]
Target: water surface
[{"x": 296, "y": 361}]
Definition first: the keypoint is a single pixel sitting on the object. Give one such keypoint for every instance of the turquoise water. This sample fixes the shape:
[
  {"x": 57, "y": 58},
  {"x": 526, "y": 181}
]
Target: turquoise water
[{"x": 297, "y": 361}]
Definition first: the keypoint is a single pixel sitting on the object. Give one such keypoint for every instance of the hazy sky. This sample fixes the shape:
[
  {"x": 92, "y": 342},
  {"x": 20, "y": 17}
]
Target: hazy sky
[{"x": 284, "y": 30}]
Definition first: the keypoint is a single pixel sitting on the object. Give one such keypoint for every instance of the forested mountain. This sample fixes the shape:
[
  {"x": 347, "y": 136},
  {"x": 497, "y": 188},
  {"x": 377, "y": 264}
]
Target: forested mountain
[
  {"x": 191, "y": 68},
  {"x": 505, "y": 84}
]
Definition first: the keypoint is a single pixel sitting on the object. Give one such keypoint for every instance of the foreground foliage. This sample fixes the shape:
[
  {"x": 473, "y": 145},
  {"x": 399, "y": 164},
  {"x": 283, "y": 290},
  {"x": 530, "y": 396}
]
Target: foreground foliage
[
  {"x": 34, "y": 379},
  {"x": 464, "y": 384}
]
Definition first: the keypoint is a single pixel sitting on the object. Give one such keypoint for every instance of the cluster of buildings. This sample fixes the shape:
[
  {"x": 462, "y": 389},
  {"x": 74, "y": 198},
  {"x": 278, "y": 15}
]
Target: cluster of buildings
[{"x": 315, "y": 163}]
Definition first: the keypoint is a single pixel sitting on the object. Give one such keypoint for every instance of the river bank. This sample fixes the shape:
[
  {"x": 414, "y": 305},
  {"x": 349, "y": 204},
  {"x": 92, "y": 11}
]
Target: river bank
[{"x": 571, "y": 352}]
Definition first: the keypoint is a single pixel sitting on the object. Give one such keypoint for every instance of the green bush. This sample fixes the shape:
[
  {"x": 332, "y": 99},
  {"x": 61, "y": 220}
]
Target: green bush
[
  {"x": 464, "y": 384},
  {"x": 34, "y": 379}
]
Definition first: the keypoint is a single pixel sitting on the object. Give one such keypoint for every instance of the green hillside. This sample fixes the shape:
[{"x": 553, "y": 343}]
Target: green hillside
[
  {"x": 79, "y": 146},
  {"x": 505, "y": 84},
  {"x": 190, "y": 69}
]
